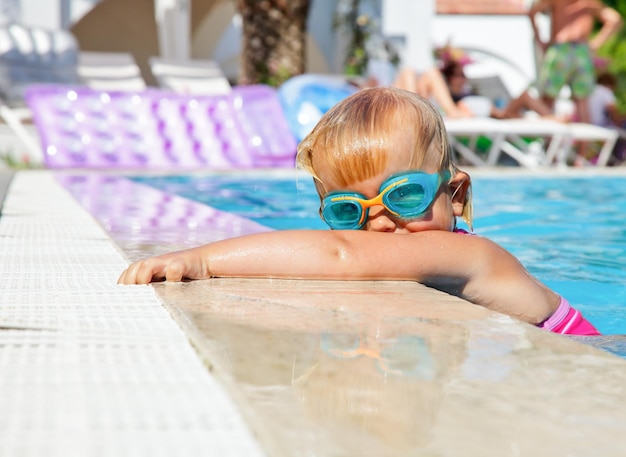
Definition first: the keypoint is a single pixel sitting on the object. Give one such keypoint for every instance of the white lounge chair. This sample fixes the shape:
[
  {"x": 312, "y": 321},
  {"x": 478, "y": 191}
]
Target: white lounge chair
[
  {"x": 578, "y": 131},
  {"x": 109, "y": 71},
  {"x": 560, "y": 138},
  {"x": 195, "y": 77},
  {"x": 472, "y": 129},
  {"x": 549, "y": 140},
  {"x": 508, "y": 137}
]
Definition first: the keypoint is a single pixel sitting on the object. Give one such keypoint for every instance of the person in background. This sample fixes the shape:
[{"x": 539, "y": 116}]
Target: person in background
[
  {"x": 604, "y": 112},
  {"x": 388, "y": 189},
  {"x": 569, "y": 50},
  {"x": 431, "y": 85},
  {"x": 466, "y": 101}
]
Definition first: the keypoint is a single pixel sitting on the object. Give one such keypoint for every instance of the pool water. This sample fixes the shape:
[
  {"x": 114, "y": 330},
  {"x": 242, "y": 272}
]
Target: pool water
[{"x": 569, "y": 232}]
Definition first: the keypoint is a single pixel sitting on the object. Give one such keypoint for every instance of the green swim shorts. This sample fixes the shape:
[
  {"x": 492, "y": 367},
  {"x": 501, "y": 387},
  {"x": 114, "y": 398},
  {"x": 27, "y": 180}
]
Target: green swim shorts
[{"x": 567, "y": 64}]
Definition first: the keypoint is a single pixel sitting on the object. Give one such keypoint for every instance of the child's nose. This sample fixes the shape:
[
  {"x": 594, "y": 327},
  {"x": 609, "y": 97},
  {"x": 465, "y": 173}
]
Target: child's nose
[{"x": 379, "y": 220}]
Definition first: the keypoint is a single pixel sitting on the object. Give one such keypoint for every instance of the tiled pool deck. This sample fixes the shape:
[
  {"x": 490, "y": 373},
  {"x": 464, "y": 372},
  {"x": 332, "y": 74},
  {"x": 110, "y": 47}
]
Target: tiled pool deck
[{"x": 266, "y": 367}]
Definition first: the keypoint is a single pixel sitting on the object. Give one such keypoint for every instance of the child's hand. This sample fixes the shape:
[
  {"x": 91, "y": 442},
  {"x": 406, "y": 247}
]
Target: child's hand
[{"x": 169, "y": 267}]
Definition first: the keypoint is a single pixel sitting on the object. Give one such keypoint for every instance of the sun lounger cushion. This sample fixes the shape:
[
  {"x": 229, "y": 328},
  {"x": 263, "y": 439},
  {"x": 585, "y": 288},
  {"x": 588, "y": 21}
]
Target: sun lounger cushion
[{"x": 85, "y": 128}]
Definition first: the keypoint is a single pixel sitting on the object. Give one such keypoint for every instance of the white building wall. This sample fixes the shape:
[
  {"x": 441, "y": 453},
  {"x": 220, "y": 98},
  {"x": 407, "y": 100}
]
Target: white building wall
[
  {"x": 45, "y": 14},
  {"x": 53, "y": 14},
  {"x": 411, "y": 21}
]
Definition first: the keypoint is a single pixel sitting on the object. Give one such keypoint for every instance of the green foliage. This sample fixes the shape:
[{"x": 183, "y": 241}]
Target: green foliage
[
  {"x": 358, "y": 27},
  {"x": 10, "y": 161},
  {"x": 365, "y": 40},
  {"x": 615, "y": 52},
  {"x": 272, "y": 75}
]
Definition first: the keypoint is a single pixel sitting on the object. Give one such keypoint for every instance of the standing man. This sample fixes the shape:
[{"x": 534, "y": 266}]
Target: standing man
[{"x": 568, "y": 55}]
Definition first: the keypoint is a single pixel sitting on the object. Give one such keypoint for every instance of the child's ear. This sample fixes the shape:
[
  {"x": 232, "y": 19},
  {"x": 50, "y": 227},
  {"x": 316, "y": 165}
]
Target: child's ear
[{"x": 460, "y": 190}]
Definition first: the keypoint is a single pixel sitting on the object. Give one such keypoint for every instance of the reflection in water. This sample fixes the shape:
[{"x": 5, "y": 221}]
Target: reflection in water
[
  {"x": 382, "y": 389},
  {"x": 406, "y": 355},
  {"x": 385, "y": 368},
  {"x": 489, "y": 350},
  {"x": 359, "y": 385},
  {"x": 332, "y": 368}
]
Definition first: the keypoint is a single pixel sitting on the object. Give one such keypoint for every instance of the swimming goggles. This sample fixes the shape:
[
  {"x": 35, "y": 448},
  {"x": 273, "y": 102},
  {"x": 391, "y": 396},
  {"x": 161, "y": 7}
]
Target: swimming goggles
[{"x": 406, "y": 195}]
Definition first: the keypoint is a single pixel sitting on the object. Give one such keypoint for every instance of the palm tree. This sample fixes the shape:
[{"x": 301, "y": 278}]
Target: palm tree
[{"x": 274, "y": 37}]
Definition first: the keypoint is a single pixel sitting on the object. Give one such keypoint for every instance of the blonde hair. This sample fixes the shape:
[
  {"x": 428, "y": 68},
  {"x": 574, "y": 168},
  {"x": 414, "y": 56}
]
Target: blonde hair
[{"x": 355, "y": 137}]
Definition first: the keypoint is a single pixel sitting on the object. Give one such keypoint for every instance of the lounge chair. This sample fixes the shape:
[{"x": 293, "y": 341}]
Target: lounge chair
[
  {"x": 109, "y": 71},
  {"x": 551, "y": 142},
  {"x": 505, "y": 138},
  {"x": 578, "y": 131},
  {"x": 558, "y": 136},
  {"x": 197, "y": 77}
]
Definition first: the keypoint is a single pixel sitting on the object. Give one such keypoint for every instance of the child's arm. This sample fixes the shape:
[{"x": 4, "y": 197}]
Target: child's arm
[{"x": 471, "y": 267}]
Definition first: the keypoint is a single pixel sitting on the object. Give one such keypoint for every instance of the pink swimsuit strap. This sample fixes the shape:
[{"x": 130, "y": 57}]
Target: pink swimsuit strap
[{"x": 568, "y": 321}]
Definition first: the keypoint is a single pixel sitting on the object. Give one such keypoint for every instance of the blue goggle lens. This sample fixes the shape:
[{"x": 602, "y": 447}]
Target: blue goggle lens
[
  {"x": 409, "y": 195},
  {"x": 407, "y": 198},
  {"x": 342, "y": 215}
]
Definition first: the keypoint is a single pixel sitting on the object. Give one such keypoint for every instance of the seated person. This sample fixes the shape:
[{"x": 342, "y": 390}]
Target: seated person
[
  {"x": 603, "y": 110},
  {"x": 447, "y": 89},
  {"x": 432, "y": 86},
  {"x": 461, "y": 93}
]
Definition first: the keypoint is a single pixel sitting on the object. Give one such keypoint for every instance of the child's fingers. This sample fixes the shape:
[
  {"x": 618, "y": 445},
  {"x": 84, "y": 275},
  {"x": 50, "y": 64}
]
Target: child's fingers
[
  {"x": 122, "y": 278},
  {"x": 129, "y": 276},
  {"x": 147, "y": 272},
  {"x": 175, "y": 270},
  {"x": 141, "y": 272}
]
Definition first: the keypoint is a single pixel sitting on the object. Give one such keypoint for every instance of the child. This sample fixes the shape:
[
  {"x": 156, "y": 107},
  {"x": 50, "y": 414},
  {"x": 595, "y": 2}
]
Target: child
[
  {"x": 604, "y": 112},
  {"x": 388, "y": 188},
  {"x": 603, "y": 103}
]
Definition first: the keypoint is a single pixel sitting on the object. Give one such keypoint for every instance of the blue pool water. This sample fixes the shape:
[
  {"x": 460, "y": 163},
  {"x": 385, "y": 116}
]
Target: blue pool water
[{"x": 568, "y": 231}]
